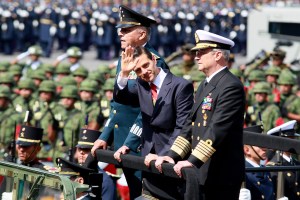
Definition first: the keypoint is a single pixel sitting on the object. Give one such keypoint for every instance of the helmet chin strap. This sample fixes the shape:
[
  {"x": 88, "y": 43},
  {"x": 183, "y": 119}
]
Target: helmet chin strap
[
  {"x": 256, "y": 153},
  {"x": 28, "y": 160}
]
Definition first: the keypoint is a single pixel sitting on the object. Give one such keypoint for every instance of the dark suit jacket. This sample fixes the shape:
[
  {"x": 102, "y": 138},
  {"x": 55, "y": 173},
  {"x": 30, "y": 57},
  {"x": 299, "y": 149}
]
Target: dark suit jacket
[
  {"x": 220, "y": 124},
  {"x": 163, "y": 122}
]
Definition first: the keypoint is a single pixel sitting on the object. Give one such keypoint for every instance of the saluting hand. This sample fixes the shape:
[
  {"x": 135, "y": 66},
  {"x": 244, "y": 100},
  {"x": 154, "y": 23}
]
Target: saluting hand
[
  {"x": 127, "y": 63},
  {"x": 98, "y": 144}
]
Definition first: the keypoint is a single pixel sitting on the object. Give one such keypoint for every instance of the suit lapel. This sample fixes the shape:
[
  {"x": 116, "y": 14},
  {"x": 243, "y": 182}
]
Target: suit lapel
[
  {"x": 209, "y": 88},
  {"x": 164, "y": 90}
]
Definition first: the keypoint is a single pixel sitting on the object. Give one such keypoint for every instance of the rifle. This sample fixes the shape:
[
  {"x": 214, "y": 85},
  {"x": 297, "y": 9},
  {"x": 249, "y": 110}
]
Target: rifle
[
  {"x": 13, "y": 146},
  {"x": 71, "y": 148}
]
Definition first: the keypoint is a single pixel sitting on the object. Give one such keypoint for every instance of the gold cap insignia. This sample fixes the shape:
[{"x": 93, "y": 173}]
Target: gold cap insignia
[
  {"x": 23, "y": 129},
  {"x": 84, "y": 131},
  {"x": 84, "y": 137},
  {"x": 22, "y": 134}
]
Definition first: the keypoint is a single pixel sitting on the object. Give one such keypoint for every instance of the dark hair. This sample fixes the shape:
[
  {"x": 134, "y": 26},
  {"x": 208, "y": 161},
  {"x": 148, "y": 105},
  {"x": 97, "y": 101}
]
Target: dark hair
[{"x": 138, "y": 51}]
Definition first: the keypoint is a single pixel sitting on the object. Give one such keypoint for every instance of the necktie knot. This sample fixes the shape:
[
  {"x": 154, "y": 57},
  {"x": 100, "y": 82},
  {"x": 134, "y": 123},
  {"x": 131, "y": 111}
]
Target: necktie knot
[{"x": 153, "y": 92}]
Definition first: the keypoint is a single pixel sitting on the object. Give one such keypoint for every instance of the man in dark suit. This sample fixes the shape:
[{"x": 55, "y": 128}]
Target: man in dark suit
[
  {"x": 133, "y": 30},
  {"x": 214, "y": 128},
  {"x": 165, "y": 101}
]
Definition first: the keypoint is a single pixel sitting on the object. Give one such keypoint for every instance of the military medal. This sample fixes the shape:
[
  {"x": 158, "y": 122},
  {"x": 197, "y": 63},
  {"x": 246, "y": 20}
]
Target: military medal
[
  {"x": 204, "y": 119},
  {"x": 207, "y": 101}
]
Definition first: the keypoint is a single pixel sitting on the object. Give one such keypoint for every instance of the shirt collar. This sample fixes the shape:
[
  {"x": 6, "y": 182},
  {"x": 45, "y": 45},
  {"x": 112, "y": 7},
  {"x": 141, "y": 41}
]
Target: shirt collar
[
  {"x": 158, "y": 81},
  {"x": 252, "y": 163},
  {"x": 209, "y": 78}
]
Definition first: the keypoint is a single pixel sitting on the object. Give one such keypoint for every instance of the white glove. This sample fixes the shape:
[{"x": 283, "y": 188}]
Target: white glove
[
  {"x": 62, "y": 57},
  {"x": 7, "y": 196},
  {"x": 245, "y": 194},
  {"x": 283, "y": 198},
  {"x": 22, "y": 55}
]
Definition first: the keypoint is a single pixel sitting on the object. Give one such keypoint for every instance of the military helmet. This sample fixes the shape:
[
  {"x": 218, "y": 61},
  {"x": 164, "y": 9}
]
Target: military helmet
[
  {"x": 88, "y": 85},
  {"x": 237, "y": 72},
  {"x": 262, "y": 87},
  {"x": 63, "y": 69},
  {"x": 47, "y": 86},
  {"x": 186, "y": 48},
  {"x": 48, "y": 68},
  {"x": 286, "y": 78},
  {"x": 26, "y": 84},
  {"x": 278, "y": 53},
  {"x": 257, "y": 75},
  {"x": 67, "y": 80},
  {"x": 6, "y": 78},
  {"x": 35, "y": 50},
  {"x": 109, "y": 84},
  {"x": 97, "y": 76},
  {"x": 5, "y": 92},
  {"x": 81, "y": 71},
  {"x": 70, "y": 91},
  {"x": 15, "y": 69},
  {"x": 38, "y": 74},
  {"x": 74, "y": 52},
  {"x": 3, "y": 68},
  {"x": 104, "y": 69},
  {"x": 273, "y": 70}
]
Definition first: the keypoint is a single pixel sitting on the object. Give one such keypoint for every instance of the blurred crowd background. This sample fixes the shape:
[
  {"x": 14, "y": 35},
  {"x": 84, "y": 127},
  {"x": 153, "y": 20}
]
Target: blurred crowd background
[{"x": 57, "y": 25}]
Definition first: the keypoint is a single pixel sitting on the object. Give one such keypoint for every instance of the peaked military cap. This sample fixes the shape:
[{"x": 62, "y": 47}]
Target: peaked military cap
[
  {"x": 255, "y": 129},
  {"x": 206, "y": 40},
  {"x": 29, "y": 136},
  {"x": 287, "y": 129},
  {"x": 68, "y": 168},
  {"x": 130, "y": 18},
  {"x": 87, "y": 137}
]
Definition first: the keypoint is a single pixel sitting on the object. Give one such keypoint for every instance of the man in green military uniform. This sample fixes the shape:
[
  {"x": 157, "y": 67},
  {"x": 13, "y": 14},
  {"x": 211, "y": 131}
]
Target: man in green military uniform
[
  {"x": 272, "y": 74},
  {"x": 188, "y": 65},
  {"x": 269, "y": 111},
  {"x": 254, "y": 77},
  {"x": 285, "y": 82},
  {"x": 47, "y": 114},
  {"x": 61, "y": 71},
  {"x": 8, "y": 119},
  {"x": 33, "y": 63},
  {"x": 22, "y": 101},
  {"x": 16, "y": 72},
  {"x": 6, "y": 79},
  {"x": 72, "y": 120},
  {"x": 80, "y": 74},
  {"x": 74, "y": 55},
  {"x": 278, "y": 56},
  {"x": 90, "y": 105},
  {"x": 37, "y": 76}
]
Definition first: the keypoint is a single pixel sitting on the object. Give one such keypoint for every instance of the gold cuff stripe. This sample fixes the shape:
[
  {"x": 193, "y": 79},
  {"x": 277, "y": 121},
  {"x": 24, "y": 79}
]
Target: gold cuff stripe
[
  {"x": 133, "y": 23},
  {"x": 149, "y": 197},
  {"x": 69, "y": 173},
  {"x": 88, "y": 143},
  {"x": 204, "y": 45},
  {"x": 28, "y": 140},
  {"x": 181, "y": 146},
  {"x": 203, "y": 150}
]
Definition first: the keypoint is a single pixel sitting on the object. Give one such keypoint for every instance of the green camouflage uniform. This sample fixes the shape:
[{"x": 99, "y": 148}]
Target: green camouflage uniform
[
  {"x": 269, "y": 111},
  {"x": 46, "y": 114},
  {"x": 70, "y": 125},
  {"x": 91, "y": 108},
  {"x": 8, "y": 119}
]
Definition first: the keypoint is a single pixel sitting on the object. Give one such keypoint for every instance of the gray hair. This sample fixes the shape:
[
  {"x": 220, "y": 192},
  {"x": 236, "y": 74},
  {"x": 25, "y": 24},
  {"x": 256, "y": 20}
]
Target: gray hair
[
  {"x": 225, "y": 52},
  {"x": 148, "y": 32}
]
